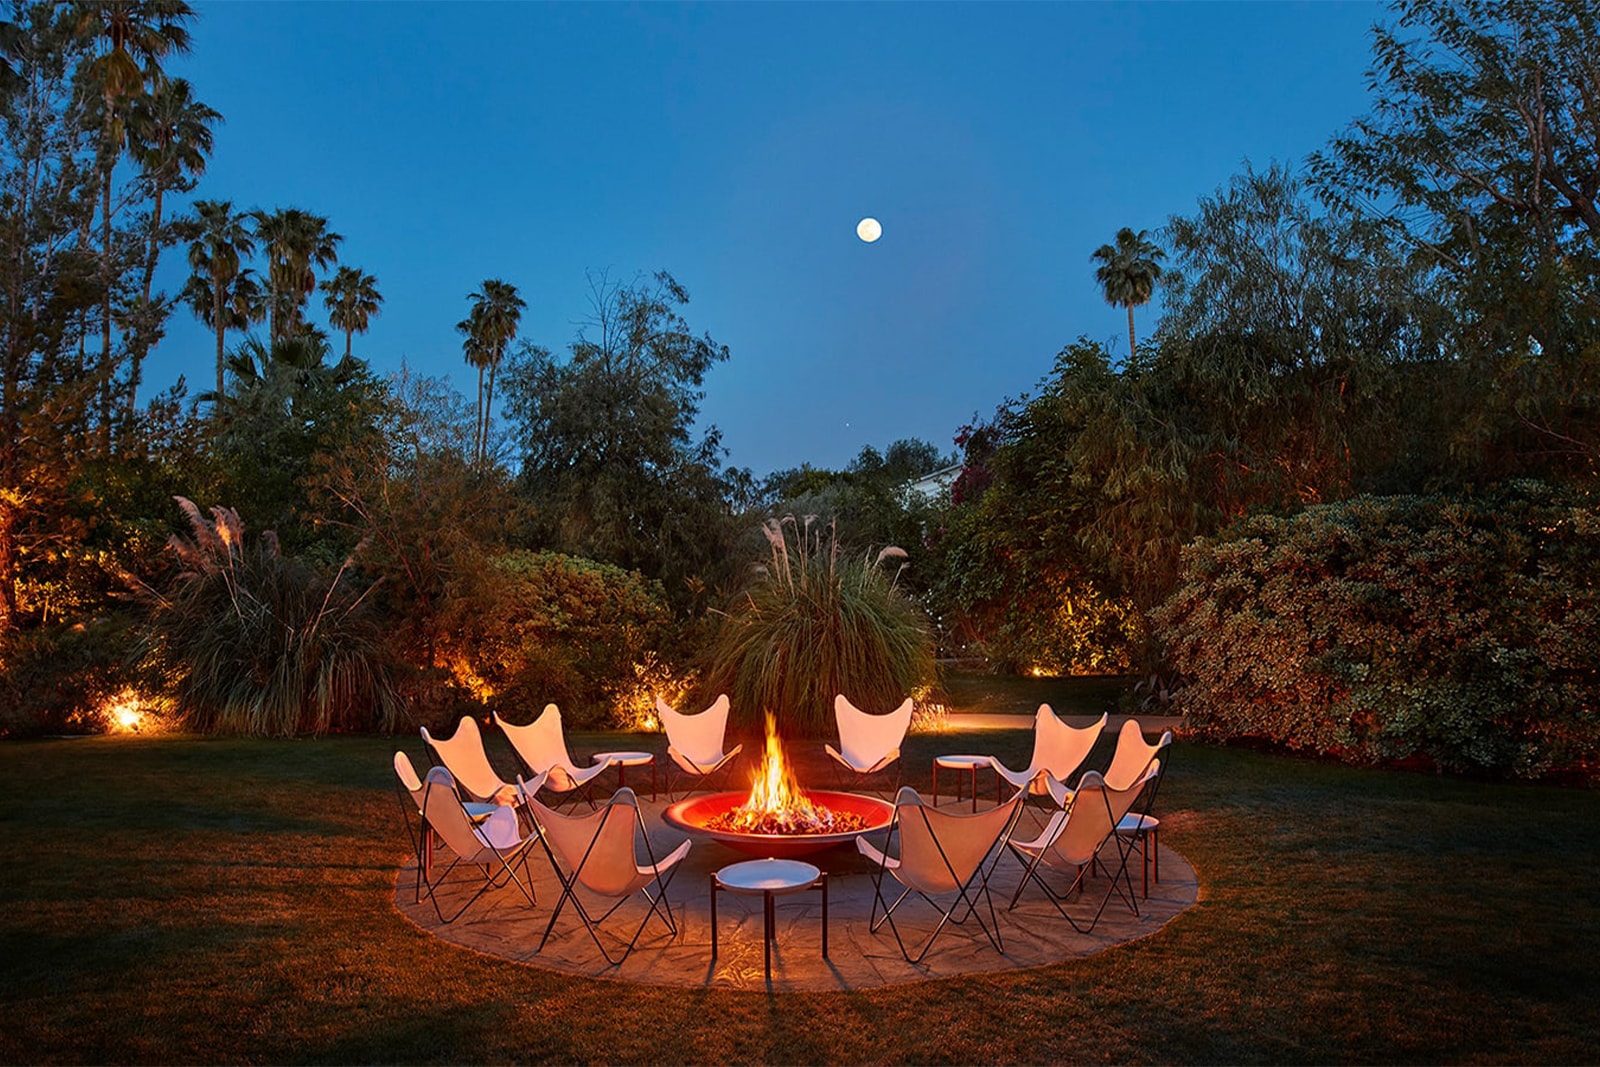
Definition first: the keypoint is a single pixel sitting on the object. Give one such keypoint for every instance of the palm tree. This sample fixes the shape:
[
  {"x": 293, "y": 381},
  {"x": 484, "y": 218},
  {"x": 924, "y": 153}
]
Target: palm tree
[
  {"x": 297, "y": 243},
  {"x": 170, "y": 137},
  {"x": 219, "y": 242},
  {"x": 352, "y": 298},
  {"x": 244, "y": 303},
  {"x": 1127, "y": 273},
  {"x": 489, "y": 327},
  {"x": 132, "y": 37}
]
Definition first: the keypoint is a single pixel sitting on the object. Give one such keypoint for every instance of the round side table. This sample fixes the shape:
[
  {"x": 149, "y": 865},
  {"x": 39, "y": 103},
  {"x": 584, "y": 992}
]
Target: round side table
[
  {"x": 768, "y": 879},
  {"x": 971, "y": 764},
  {"x": 623, "y": 760}
]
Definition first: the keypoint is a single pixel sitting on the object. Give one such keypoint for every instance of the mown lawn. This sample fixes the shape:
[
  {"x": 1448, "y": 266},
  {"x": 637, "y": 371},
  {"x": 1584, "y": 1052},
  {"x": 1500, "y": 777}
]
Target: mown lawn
[{"x": 187, "y": 900}]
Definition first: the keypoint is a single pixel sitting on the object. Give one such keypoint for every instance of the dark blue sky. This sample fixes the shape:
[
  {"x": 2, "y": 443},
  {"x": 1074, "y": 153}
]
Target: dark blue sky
[{"x": 737, "y": 145}]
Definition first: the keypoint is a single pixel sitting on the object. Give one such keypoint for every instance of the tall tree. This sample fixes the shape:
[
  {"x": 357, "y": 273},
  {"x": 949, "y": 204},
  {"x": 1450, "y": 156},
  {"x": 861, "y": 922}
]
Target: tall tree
[
  {"x": 297, "y": 244},
  {"x": 131, "y": 38},
  {"x": 609, "y": 451},
  {"x": 490, "y": 327},
  {"x": 170, "y": 138},
  {"x": 1481, "y": 151},
  {"x": 352, "y": 298},
  {"x": 49, "y": 283},
  {"x": 1128, "y": 272},
  {"x": 219, "y": 241}
]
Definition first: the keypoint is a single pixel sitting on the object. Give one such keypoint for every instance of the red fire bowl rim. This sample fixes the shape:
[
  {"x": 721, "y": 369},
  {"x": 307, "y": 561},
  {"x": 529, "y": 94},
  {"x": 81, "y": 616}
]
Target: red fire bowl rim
[{"x": 692, "y": 813}]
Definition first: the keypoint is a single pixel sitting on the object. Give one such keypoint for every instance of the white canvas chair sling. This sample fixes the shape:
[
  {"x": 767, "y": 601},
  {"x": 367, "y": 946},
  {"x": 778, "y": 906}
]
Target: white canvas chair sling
[
  {"x": 694, "y": 742},
  {"x": 542, "y": 747},
  {"x": 408, "y": 789},
  {"x": 1129, "y": 762},
  {"x": 868, "y": 744},
  {"x": 1075, "y": 836},
  {"x": 1058, "y": 751},
  {"x": 941, "y": 853},
  {"x": 596, "y": 851},
  {"x": 463, "y": 754},
  {"x": 492, "y": 845}
]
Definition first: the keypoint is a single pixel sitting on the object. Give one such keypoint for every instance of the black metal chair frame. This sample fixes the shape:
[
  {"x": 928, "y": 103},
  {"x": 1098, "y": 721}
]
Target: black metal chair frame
[
  {"x": 724, "y": 772},
  {"x": 962, "y": 891},
  {"x": 507, "y": 875},
  {"x": 659, "y": 905},
  {"x": 850, "y": 779},
  {"x": 1124, "y": 846}
]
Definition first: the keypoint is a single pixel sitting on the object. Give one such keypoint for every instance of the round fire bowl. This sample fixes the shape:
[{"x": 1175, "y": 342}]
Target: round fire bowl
[{"x": 692, "y": 814}]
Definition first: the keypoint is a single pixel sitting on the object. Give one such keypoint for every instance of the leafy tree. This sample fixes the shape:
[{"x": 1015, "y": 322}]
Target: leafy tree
[
  {"x": 297, "y": 244},
  {"x": 609, "y": 459},
  {"x": 50, "y": 285},
  {"x": 1480, "y": 153},
  {"x": 1128, "y": 273},
  {"x": 489, "y": 329},
  {"x": 352, "y": 298},
  {"x": 219, "y": 242},
  {"x": 430, "y": 517},
  {"x": 287, "y": 410},
  {"x": 870, "y": 502}
]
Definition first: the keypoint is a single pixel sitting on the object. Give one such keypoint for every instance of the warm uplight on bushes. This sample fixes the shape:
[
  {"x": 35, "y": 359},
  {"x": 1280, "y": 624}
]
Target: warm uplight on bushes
[
  {"x": 471, "y": 680},
  {"x": 131, "y": 712}
]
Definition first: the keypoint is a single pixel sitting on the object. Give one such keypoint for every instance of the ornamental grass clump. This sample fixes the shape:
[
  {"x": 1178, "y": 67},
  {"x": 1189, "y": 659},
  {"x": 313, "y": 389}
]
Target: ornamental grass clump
[
  {"x": 816, "y": 621},
  {"x": 258, "y": 643}
]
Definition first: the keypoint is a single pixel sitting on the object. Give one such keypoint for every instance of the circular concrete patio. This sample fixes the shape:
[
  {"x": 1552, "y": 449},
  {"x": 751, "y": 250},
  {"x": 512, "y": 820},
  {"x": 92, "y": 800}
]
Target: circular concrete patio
[{"x": 1034, "y": 934}]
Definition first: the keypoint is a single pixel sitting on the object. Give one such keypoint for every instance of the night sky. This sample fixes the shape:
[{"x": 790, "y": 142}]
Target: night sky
[{"x": 737, "y": 146}]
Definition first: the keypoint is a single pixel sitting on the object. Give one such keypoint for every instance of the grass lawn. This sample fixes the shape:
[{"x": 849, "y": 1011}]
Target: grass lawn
[{"x": 185, "y": 900}]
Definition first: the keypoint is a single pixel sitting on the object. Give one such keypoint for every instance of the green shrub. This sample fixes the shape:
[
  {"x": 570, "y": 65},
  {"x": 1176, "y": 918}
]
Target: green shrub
[
  {"x": 1460, "y": 630},
  {"x": 259, "y": 643},
  {"x": 814, "y": 622},
  {"x": 532, "y": 628},
  {"x": 57, "y": 680}
]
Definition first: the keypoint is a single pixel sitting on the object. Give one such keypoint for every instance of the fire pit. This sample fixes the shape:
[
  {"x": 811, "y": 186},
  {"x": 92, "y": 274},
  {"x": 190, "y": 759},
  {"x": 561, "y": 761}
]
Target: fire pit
[{"x": 777, "y": 818}]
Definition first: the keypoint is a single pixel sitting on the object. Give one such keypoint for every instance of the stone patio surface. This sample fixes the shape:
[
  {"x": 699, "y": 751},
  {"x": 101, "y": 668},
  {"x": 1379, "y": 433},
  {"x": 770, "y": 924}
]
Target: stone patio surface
[{"x": 1034, "y": 934}]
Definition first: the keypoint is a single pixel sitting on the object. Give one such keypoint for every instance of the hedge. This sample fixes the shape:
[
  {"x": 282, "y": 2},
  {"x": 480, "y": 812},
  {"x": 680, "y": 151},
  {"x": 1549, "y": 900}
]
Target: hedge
[{"x": 1456, "y": 630}]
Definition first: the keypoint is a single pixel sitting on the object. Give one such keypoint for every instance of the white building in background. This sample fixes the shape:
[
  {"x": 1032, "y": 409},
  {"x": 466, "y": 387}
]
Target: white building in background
[{"x": 935, "y": 484}]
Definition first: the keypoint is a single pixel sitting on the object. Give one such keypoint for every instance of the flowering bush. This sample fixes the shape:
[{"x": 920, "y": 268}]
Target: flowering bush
[{"x": 1462, "y": 630}]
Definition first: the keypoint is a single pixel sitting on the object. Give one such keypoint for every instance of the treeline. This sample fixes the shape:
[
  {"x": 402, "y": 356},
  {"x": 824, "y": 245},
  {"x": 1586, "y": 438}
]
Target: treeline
[{"x": 1414, "y": 316}]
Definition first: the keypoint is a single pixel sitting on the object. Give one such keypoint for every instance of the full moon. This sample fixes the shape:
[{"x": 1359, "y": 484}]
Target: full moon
[{"x": 869, "y": 230}]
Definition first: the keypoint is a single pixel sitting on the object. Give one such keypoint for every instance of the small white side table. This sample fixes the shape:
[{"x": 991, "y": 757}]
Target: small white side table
[
  {"x": 768, "y": 879},
  {"x": 623, "y": 760},
  {"x": 971, "y": 764}
]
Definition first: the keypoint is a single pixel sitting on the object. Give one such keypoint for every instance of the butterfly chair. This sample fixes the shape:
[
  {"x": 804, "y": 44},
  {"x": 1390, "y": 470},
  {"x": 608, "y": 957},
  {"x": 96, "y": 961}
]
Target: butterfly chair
[
  {"x": 595, "y": 851},
  {"x": 1132, "y": 757},
  {"x": 542, "y": 748},
  {"x": 941, "y": 853},
  {"x": 409, "y": 789},
  {"x": 1076, "y": 835},
  {"x": 493, "y": 845},
  {"x": 464, "y": 756},
  {"x": 1058, "y": 751},
  {"x": 695, "y": 741},
  {"x": 868, "y": 744}
]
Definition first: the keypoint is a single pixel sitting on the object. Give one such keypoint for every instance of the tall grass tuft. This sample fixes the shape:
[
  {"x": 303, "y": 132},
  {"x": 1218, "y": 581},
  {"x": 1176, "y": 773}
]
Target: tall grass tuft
[
  {"x": 261, "y": 644},
  {"x": 816, "y": 621}
]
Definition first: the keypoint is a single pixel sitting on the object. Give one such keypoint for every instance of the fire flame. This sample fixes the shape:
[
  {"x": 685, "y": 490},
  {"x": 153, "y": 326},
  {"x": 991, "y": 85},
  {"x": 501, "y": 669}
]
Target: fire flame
[{"x": 777, "y": 804}]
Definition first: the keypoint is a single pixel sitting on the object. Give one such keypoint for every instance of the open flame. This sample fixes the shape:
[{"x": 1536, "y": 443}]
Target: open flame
[{"x": 777, "y": 804}]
